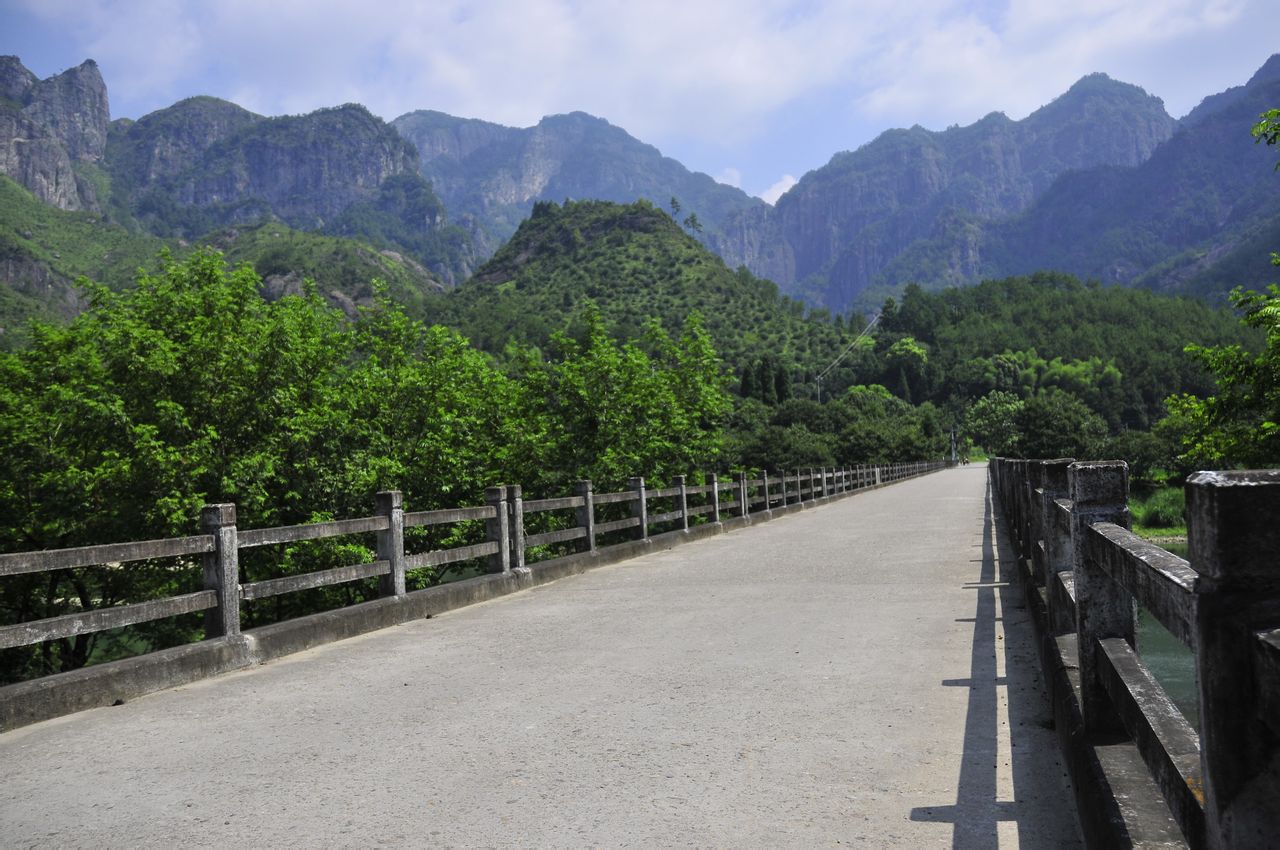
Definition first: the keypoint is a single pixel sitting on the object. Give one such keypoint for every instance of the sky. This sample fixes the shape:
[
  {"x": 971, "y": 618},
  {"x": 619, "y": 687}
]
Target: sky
[{"x": 753, "y": 92}]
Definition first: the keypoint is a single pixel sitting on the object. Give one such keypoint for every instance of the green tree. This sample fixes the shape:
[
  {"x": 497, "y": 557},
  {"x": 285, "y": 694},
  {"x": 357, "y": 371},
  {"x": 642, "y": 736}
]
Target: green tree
[
  {"x": 991, "y": 422},
  {"x": 1268, "y": 129},
  {"x": 1240, "y": 423},
  {"x": 1055, "y": 423}
]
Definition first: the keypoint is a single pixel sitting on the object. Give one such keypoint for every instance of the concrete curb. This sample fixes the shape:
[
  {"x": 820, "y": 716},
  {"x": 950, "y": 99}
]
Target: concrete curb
[{"x": 115, "y": 682}]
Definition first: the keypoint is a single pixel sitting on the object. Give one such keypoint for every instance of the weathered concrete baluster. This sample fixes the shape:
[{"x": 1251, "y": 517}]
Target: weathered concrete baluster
[
  {"x": 586, "y": 513},
  {"x": 1233, "y": 525},
  {"x": 1057, "y": 543},
  {"x": 497, "y": 530},
  {"x": 822, "y": 472},
  {"x": 767, "y": 510},
  {"x": 683, "y": 503},
  {"x": 1035, "y": 484},
  {"x": 740, "y": 487},
  {"x": 715, "y": 498},
  {"x": 1099, "y": 493},
  {"x": 390, "y": 504},
  {"x": 222, "y": 570},
  {"x": 640, "y": 507},
  {"x": 515, "y": 509}
]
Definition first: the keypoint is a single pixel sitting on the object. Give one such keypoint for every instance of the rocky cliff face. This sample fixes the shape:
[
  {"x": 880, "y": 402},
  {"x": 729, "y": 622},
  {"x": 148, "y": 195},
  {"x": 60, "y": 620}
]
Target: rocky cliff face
[
  {"x": 167, "y": 142},
  {"x": 225, "y": 165},
  {"x": 494, "y": 174},
  {"x": 832, "y": 234},
  {"x": 46, "y": 126}
]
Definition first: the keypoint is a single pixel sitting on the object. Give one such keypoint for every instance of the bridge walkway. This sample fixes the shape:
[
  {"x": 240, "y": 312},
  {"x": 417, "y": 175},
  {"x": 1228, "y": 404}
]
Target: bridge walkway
[{"x": 854, "y": 674}]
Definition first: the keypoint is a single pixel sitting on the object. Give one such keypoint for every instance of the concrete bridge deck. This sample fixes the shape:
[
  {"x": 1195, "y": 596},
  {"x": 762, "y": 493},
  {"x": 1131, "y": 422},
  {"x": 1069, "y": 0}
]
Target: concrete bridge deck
[{"x": 853, "y": 674}]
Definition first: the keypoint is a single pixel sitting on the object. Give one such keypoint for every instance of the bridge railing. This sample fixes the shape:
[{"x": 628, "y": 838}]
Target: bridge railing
[
  {"x": 581, "y": 521},
  {"x": 1070, "y": 523}
]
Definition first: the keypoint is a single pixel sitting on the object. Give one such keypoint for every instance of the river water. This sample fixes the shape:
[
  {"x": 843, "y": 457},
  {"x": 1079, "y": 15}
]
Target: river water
[{"x": 1168, "y": 659}]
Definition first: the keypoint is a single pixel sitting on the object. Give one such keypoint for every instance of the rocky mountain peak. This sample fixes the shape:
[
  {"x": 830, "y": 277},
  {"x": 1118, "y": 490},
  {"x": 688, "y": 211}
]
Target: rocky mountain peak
[
  {"x": 1268, "y": 73},
  {"x": 48, "y": 125},
  {"x": 74, "y": 106},
  {"x": 16, "y": 81}
]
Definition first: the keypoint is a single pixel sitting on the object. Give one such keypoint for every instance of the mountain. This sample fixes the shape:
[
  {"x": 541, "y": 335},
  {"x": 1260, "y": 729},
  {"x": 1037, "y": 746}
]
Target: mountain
[
  {"x": 44, "y": 250},
  {"x": 832, "y": 235},
  {"x": 204, "y": 163},
  {"x": 1204, "y": 206},
  {"x": 634, "y": 262},
  {"x": 492, "y": 175},
  {"x": 50, "y": 129}
]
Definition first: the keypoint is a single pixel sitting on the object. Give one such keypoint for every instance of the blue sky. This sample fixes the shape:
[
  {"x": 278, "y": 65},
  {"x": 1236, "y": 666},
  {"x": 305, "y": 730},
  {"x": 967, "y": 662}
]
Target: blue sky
[{"x": 753, "y": 92}]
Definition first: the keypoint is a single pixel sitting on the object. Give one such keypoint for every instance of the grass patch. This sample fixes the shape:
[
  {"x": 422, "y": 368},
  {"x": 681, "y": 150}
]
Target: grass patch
[{"x": 1160, "y": 513}]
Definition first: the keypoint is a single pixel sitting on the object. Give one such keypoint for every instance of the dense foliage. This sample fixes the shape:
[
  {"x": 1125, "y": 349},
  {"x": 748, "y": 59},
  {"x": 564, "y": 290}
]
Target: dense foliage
[
  {"x": 636, "y": 263},
  {"x": 1119, "y": 352},
  {"x": 191, "y": 388}
]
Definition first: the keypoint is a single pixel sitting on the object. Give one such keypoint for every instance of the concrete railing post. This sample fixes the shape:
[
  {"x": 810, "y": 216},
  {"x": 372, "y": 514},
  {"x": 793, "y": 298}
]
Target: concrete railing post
[
  {"x": 876, "y": 480},
  {"x": 715, "y": 498},
  {"x": 740, "y": 486},
  {"x": 1057, "y": 542},
  {"x": 497, "y": 530},
  {"x": 1234, "y": 534},
  {"x": 764, "y": 483},
  {"x": 515, "y": 528},
  {"x": 390, "y": 504},
  {"x": 222, "y": 570},
  {"x": 683, "y": 502},
  {"x": 587, "y": 512},
  {"x": 1099, "y": 493},
  {"x": 640, "y": 507}
]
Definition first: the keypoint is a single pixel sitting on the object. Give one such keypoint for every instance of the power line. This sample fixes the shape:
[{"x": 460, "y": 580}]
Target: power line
[{"x": 842, "y": 354}]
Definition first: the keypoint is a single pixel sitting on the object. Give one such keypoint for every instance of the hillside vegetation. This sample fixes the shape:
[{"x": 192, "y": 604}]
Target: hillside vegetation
[{"x": 634, "y": 262}]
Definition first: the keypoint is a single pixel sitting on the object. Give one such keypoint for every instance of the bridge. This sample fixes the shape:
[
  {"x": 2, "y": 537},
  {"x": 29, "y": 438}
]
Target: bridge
[{"x": 874, "y": 664}]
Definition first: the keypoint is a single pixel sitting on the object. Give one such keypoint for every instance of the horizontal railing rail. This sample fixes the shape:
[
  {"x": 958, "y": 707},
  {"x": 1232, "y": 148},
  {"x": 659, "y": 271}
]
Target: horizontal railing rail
[{"x": 1069, "y": 522}]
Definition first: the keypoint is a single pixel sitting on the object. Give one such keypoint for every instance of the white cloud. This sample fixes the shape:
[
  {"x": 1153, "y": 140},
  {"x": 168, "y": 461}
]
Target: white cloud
[
  {"x": 730, "y": 176},
  {"x": 770, "y": 196}
]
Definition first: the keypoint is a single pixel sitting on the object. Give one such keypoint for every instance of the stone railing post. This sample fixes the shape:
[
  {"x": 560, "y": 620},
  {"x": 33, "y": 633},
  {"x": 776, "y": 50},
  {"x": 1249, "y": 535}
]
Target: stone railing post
[
  {"x": 740, "y": 486},
  {"x": 683, "y": 502},
  {"x": 497, "y": 530},
  {"x": 877, "y": 476},
  {"x": 1099, "y": 493},
  {"x": 764, "y": 484},
  {"x": 222, "y": 570},
  {"x": 1233, "y": 526},
  {"x": 390, "y": 504},
  {"x": 640, "y": 507},
  {"x": 515, "y": 528},
  {"x": 587, "y": 513},
  {"x": 715, "y": 498},
  {"x": 1057, "y": 541}
]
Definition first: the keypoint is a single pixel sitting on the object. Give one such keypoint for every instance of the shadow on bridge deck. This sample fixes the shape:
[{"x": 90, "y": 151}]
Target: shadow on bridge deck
[{"x": 1007, "y": 722}]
